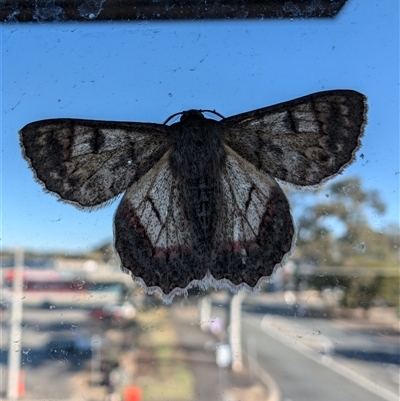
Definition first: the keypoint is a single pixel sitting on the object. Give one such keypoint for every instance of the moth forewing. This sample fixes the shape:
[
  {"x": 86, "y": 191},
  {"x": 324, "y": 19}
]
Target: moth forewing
[
  {"x": 88, "y": 163},
  {"x": 305, "y": 141}
]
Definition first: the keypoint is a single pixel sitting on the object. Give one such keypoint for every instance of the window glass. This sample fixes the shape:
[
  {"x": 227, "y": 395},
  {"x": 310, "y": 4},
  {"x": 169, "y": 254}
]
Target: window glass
[{"x": 326, "y": 327}]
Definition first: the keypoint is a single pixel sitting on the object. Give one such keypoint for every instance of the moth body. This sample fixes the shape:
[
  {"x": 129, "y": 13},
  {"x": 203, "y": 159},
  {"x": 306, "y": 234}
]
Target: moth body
[{"x": 197, "y": 159}]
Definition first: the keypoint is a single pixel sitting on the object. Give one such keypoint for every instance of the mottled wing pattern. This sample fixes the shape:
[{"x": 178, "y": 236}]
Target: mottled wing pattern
[
  {"x": 254, "y": 229},
  {"x": 89, "y": 162},
  {"x": 153, "y": 237},
  {"x": 304, "y": 141}
]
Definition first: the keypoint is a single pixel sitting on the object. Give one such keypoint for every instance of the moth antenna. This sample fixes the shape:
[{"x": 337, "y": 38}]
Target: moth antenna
[
  {"x": 213, "y": 112},
  {"x": 171, "y": 117}
]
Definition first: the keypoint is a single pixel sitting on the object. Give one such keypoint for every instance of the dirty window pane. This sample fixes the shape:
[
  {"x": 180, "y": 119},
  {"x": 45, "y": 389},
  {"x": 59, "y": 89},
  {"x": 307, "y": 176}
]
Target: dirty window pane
[{"x": 325, "y": 328}]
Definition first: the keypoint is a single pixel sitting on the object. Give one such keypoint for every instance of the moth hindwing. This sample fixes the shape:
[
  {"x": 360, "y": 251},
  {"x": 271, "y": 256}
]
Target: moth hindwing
[{"x": 201, "y": 204}]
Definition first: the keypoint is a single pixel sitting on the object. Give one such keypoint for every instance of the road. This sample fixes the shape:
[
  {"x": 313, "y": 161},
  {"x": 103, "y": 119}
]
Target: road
[
  {"x": 48, "y": 374},
  {"x": 302, "y": 359},
  {"x": 310, "y": 359}
]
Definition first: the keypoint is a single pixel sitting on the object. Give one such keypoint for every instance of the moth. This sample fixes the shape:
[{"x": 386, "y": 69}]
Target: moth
[{"x": 202, "y": 203}]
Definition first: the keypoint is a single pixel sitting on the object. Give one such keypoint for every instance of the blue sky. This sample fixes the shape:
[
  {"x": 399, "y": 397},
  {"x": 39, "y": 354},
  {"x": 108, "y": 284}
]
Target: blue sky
[{"x": 146, "y": 71}]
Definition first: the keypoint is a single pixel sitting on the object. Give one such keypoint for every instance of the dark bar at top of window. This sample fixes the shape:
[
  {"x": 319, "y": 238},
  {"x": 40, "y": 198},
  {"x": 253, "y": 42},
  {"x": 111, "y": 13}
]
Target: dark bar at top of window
[{"x": 131, "y": 10}]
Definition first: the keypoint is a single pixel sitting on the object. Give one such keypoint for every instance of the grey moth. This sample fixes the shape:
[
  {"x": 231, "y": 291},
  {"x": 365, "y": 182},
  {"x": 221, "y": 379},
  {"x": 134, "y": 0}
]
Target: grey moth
[{"x": 202, "y": 205}]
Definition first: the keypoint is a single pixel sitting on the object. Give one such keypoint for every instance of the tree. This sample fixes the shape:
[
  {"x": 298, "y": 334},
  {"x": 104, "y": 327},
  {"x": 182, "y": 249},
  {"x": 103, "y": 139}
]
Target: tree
[{"x": 336, "y": 230}]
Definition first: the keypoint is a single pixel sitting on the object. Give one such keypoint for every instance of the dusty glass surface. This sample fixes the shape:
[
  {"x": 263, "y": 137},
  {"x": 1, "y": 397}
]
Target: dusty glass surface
[{"x": 326, "y": 328}]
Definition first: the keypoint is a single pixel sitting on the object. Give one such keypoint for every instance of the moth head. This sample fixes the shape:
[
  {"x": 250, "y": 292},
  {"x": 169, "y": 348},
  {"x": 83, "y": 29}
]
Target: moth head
[
  {"x": 191, "y": 115},
  {"x": 186, "y": 115}
]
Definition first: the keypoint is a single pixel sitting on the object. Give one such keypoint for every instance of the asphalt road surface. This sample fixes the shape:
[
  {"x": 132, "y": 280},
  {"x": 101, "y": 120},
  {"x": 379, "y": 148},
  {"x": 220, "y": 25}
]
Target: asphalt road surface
[{"x": 307, "y": 368}]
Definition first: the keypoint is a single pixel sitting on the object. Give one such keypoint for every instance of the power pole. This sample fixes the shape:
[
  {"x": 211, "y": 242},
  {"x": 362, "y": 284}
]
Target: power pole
[
  {"x": 236, "y": 330},
  {"x": 205, "y": 312},
  {"x": 15, "y": 341}
]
